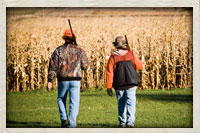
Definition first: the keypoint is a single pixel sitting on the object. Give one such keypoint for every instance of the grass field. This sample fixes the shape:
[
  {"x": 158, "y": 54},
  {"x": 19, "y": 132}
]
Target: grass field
[{"x": 155, "y": 109}]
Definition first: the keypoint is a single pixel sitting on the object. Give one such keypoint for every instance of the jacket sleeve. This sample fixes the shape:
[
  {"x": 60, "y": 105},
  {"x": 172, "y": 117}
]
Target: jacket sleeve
[
  {"x": 137, "y": 62},
  {"x": 109, "y": 72},
  {"x": 84, "y": 61},
  {"x": 53, "y": 66}
]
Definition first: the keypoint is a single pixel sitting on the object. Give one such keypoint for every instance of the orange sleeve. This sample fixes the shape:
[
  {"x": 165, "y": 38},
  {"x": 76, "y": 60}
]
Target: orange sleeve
[
  {"x": 138, "y": 63},
  {"x": 109, "y": 72}
]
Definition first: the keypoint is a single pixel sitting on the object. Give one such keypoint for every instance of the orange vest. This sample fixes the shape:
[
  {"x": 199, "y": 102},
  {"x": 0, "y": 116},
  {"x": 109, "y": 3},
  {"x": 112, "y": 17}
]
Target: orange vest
[{"x": 111, "y": 62}]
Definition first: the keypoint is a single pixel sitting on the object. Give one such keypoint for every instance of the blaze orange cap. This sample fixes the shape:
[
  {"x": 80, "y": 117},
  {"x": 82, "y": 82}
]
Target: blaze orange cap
[{"x": 68, "y": 33}]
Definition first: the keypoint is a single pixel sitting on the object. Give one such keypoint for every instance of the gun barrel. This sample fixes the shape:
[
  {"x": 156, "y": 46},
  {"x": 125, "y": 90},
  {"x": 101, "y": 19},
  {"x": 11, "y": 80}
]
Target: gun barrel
[
  {"x": 126, "y": 39},
  {"x": 72, "y": 32}
]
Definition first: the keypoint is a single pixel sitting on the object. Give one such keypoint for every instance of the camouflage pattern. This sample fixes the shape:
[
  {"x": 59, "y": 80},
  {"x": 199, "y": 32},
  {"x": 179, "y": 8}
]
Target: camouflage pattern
[{"x": 67, "y": 61}]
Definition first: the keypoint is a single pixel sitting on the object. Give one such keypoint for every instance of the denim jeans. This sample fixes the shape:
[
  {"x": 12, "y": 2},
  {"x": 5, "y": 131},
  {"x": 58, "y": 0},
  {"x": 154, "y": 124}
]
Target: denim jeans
[
  {"x": 126, "y": 106},
  {"x": 74, "y": 99}
]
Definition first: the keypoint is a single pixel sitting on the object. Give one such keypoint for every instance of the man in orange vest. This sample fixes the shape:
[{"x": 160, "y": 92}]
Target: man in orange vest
[{"x": 122, "y": 75}]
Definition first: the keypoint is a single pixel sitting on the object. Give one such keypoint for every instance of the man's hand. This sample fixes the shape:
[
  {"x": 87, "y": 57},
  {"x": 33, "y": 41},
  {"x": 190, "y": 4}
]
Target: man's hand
[
  {"x": 109, "y": 91},
  {"x": 49, "y": 85}
]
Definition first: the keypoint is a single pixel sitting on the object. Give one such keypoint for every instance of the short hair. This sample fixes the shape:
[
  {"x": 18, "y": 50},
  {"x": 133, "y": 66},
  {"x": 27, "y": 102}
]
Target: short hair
[{"x": 68, "y": 39}]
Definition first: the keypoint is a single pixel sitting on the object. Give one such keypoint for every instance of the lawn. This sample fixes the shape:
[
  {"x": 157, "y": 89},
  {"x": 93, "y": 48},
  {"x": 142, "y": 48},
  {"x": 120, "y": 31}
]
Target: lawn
[{"x": 154, "y": 109}]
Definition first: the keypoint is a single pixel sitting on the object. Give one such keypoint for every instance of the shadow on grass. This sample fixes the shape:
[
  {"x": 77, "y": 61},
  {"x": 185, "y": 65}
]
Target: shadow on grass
[
  {"x": 90, "y": 125},
  {"x": 94, "y": 95},
  {"x": 16, "y": 124},
  {"x": 166, "y": 97},
  {"x": 159, "y": 97}
]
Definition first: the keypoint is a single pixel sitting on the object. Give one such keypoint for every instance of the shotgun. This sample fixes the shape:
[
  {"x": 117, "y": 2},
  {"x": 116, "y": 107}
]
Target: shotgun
[{"x": 73, "y": 36}]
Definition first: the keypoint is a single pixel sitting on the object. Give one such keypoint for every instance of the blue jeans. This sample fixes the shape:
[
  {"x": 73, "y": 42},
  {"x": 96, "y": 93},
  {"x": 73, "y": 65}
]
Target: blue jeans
[
  {"x": 126, "y": 106},
  {"x": 74, "y": 99}
]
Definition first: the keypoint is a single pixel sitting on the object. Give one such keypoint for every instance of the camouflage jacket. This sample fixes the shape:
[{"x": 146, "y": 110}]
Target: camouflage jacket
[{"x": 66, "y": 63}]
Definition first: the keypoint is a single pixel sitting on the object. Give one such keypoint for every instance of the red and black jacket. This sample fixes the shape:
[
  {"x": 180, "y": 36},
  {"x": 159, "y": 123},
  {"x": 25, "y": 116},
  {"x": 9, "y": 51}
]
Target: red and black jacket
[{"x": 118, "y": 56}]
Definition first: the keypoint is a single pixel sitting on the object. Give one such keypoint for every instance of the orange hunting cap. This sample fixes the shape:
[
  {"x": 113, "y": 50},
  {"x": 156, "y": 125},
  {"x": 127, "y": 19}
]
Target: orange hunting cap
[{"x": 68, "y": 33}]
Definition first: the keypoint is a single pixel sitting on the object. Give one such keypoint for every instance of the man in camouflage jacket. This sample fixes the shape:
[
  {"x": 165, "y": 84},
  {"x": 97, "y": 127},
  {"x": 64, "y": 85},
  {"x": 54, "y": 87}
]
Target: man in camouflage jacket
[{"x": 66, "y": 64}]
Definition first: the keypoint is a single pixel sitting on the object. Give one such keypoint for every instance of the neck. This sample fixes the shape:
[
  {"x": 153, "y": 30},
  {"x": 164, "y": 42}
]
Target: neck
[
  {"x": 121, "y": 49},
  {"x": 66, "y": 43}
]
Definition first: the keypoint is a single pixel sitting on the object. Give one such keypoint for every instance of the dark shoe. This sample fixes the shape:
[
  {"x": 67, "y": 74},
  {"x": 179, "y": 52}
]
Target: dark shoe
[
  {"x": 130, "y": 126},
  {"x": 64, "y": 124}
]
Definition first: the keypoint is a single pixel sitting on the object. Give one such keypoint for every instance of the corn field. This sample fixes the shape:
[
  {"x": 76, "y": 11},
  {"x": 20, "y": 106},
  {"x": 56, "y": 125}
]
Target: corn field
[{"x": 163, "y": 43}]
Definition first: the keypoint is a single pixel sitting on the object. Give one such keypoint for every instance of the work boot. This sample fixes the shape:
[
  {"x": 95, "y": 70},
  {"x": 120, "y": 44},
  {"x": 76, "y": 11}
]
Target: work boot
[{"x": 64, "y": 124}]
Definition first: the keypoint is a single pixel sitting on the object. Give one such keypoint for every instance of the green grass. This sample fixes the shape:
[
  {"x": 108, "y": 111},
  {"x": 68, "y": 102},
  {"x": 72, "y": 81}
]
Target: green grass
[{"x": 154, "y": 109}]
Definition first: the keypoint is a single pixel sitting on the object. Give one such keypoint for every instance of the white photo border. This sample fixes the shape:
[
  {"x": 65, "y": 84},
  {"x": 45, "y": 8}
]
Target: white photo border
[{"x": 103, "y": 3}]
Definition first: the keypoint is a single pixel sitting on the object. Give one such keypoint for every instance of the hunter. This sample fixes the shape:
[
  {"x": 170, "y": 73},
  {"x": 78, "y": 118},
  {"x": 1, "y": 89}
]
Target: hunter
[
  {"x": 122, "y": 75},
  {"x": 66, "y": 64}
]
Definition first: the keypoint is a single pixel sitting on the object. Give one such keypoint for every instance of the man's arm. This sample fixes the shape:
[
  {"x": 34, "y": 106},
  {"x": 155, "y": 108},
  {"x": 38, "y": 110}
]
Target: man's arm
[
  {"x": 84, "y": 61},
  {"x": 137, "y": 62},
  {"x": 109, "y": 72},
  {"x": 52, "y": 70},
  {"x": 109, "y": 75}
]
